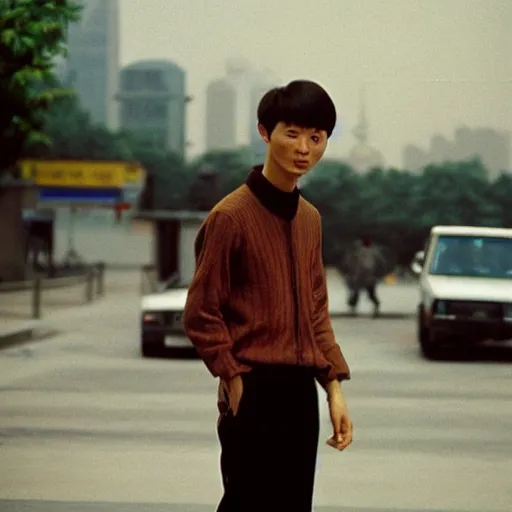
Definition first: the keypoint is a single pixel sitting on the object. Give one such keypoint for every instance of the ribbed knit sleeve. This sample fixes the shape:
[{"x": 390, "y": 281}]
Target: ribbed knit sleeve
[
  {"x": 209, "y": 291},
  {"x": 324, "y": 334}
]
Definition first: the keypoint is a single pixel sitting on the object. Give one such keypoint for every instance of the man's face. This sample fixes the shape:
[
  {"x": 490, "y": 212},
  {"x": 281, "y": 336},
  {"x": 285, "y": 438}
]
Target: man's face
[{"x": 294, "y": 149}]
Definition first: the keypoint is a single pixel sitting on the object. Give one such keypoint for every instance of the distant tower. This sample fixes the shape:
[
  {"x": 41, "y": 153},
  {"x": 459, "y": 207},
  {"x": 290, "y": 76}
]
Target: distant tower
[
  {"x": 362, "y": 156},
  {"x": 261, "y": 83},
  {"x": 361, "y": 129},
  {"x": 231, "y": 104},
  {"x": 221, "y": 104},
  {"x": 92, "y": 65}
]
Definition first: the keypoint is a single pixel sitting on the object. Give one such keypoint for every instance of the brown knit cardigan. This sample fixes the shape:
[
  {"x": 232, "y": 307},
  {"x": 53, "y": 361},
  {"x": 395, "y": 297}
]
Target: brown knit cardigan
[{"x": 259, "y": 293}]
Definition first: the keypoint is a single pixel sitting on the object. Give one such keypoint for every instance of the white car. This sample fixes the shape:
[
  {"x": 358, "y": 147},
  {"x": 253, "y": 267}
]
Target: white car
[
  {"x": 465, "y": 280},
  {"x": 162, "y": 330}
]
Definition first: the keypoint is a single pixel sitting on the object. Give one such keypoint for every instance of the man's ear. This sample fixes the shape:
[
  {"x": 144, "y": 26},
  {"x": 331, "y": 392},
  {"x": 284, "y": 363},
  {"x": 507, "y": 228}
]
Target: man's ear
[{"x": 263, "y": 133}]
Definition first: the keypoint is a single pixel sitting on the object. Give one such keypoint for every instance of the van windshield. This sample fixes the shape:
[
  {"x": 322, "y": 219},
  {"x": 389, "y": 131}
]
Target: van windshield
[{"x": 472, "y": 256}]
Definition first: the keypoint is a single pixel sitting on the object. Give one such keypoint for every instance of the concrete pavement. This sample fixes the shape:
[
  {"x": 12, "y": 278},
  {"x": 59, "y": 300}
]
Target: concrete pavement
[
  {"x": 62, "y": 307},
  {"x": 108, "y": 506},
  {"x": 86, "y": 425},
  {"x": 397, "y": 300}
]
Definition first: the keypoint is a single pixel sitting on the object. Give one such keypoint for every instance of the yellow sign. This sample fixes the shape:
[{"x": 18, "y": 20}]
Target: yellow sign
[
  {"x": 133, "y": 174},
  {"x": 89, "y": 174}
]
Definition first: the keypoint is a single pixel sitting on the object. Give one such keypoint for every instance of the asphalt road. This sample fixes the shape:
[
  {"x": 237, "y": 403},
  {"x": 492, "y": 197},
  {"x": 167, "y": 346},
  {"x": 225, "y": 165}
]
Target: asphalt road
[{"x": 87, "y": 425}]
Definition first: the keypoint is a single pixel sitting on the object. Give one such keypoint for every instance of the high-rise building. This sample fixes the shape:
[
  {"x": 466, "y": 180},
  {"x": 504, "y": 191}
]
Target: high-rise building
[
  {"x": 153, "y": 103},
  {"x": 231, "y": 104},
  {"x": 257, "y": 144},
  {"x": 92, "y": 65},
  {"x": 260, "y": 85},
  {"x": 239, "y": 74},
  {"x": 221, "y": 103},
  {"x": 414, "y": 158},
  {"x": 493, "y": 147}
]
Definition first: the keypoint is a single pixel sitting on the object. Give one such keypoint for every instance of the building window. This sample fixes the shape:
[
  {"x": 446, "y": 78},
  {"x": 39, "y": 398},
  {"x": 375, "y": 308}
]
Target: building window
[
  {"x": 136, "y": 80},
  {"x": 154, "y": 80},
  {"x": 152, "y": 137},
  {"x": 142, "y": 111}
]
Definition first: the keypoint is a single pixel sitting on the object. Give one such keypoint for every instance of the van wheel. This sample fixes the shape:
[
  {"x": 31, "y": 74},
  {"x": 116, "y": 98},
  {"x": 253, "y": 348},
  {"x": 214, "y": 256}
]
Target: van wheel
[
  {"x": 421, "y": 329},
  {"x": 429, "y": 343},
  {"x": 148, "y": 350},
  {"x": 431, "y": 347}
]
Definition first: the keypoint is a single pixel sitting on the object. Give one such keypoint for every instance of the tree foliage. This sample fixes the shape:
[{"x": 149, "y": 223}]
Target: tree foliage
[
  {"x": 398, "y": 208},
  {"x": 32, "y": 35},
  {"x": 231, "y": 168},
  {"x": 72, "y": 135},
  {"x": 395, "y": 207},
  {"x": 168, "y": 180}
]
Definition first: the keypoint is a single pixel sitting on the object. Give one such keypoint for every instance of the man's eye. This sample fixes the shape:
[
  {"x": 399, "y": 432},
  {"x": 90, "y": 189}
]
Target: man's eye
[
  {"x": 315, "y": 139},
  {"x": 292, "y": 135}
]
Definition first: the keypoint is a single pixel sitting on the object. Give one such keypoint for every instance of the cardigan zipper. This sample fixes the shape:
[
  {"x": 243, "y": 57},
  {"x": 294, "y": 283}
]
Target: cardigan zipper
[{"x": 296, "y": 332}]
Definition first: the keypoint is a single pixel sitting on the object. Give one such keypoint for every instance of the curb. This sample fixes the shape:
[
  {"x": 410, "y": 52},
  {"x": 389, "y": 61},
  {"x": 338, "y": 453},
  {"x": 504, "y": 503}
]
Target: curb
[
  {"x": 47, "y": 283},
  {"x": 369, "y": 315},
  {"x": 16, "y": 337},
  {"x": 21, "y": 336}
]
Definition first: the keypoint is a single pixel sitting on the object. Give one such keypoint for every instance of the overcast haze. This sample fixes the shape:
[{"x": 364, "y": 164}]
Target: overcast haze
[{"x": 429, "y": 65}]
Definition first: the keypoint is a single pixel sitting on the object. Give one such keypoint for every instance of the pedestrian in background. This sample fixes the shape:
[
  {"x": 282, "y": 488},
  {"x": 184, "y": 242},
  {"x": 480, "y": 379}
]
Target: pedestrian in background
[{"x": 363, "y": 266}]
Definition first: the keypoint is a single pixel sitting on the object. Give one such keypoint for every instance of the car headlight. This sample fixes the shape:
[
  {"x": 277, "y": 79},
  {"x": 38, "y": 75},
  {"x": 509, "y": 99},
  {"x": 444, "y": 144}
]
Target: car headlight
[{"x": 152, "y": 317}]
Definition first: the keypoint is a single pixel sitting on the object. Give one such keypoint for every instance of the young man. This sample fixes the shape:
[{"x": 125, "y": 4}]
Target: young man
[{"x": 257, "y": 313}]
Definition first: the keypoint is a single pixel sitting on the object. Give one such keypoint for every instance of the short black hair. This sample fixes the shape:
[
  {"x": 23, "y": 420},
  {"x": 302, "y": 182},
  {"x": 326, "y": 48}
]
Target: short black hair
[{"x": 301, "y": 102}]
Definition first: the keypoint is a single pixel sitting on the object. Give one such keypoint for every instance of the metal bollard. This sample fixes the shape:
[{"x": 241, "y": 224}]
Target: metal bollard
[
  {"x": 89, "y": 284},
  {"x": 36, "y": 298},
  {"x": 100, "y": 285}
]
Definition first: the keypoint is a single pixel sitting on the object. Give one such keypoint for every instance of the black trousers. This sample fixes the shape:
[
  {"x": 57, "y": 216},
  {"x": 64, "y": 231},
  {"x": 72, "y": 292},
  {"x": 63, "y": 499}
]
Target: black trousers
[
  {"x": 269, "y": 449},
  {"x": 372, "y": 295}
]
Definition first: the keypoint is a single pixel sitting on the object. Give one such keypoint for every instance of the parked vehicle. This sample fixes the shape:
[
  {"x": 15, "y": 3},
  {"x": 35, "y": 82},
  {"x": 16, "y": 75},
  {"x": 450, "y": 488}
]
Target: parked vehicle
[
  {"x": 162, "y": 330},
  {"x": 465, "y": 284}
]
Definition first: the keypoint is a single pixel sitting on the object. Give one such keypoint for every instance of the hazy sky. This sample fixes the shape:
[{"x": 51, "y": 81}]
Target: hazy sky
[{"x": 428, "y": 65}]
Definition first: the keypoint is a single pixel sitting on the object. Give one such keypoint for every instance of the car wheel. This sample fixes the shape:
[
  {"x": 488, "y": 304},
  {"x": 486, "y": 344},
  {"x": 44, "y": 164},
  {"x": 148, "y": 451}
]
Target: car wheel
[
  {"x": 148, "y": 350},
  {"x": 422, "y": 331},
  {"x": 429, "y": 343},
  {"x": 431, "y": 347}
]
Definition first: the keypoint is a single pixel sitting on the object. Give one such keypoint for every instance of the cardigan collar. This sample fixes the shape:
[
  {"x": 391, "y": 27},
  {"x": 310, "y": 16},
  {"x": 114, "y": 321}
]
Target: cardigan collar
[{"x": 280, "y": 203}]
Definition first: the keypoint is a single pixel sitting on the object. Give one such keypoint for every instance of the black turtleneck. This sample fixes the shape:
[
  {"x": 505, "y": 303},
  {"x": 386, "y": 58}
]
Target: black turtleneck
[{"x": 280, "y": 203}]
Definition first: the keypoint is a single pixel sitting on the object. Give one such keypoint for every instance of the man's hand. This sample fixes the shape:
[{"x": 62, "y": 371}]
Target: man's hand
[
  {"x": 233, "y": 389},
  {"x": 340, "y": 419}
]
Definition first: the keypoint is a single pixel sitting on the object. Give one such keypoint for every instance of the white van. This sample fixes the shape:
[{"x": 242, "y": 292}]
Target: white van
[{"x": 465, "y": 279}]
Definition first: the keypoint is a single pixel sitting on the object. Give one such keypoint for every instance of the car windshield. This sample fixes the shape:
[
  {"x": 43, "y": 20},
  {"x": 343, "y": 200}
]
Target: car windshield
[{"x": 472, "y": 256}]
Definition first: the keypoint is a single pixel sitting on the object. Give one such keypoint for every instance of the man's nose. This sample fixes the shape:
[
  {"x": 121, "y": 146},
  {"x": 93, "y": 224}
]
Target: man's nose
[{"x": 303, "y": 146}]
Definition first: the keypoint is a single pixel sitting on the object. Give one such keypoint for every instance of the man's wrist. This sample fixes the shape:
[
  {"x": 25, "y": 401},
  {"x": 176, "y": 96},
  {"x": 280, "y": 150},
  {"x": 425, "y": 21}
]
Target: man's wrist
[{"x": 333, "y": 388}]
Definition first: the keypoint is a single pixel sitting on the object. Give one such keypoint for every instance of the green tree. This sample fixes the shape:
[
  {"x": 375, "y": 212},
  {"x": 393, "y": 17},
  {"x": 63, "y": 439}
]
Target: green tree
[
  {"x": 32, "y": 34},
  {"x": 455, "y": 193},
  {"x": 334, "y": 188},
  {"x": 232, "y": 168},
  {"x": 169, "y": 179},
  {"x": 500, "y": 194},
  {"x": 397, "y": 208},
  {"x": 73, "y": 136}
]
